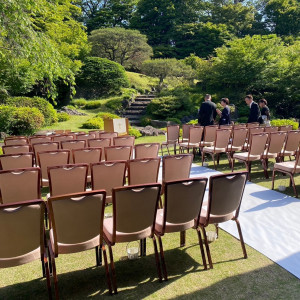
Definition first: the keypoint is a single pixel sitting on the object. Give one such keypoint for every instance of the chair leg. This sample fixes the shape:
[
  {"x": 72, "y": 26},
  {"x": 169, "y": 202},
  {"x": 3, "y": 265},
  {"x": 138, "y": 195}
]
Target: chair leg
[
  {"x": 265, "y": 167},
  {"x": 218, "y": 159},
  {"x": 107, "y": 274},
  {"x": 161, "y": 149},
  {"x": 248, "y": 167},
  {"x": 160, "y": 202},
  {"x": 162, "y": 258},
  {"x": 157, "y": 259},
  {"x": 202, "y": 156},
  {"x": 217, "y": 229},
  {"x": 55, "y": 277},
  {"x": 232, "y": 164},
  {"x": 207, "y": 248},
  {"x": 241, "y": 237},
  {"x": 47, "y": 274},
  {"x": 229, "y": 160},
  {"x": 182, "y": 238},
  {"x": 273, "y": 179},
  {"x": 213, "y": 157},
  {"x": 201, "y": 249},
  {"x": 113, "y": 271},
  {"x": 293, "y": 184},
  {"x": 143, "y": 247}
]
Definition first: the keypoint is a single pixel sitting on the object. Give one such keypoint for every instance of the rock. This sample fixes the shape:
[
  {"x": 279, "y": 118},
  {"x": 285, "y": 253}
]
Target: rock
[
  {"x": 150, "y": 131},
  {"x": 161, "y": 124},
  {"x": 71, "y": 112},
  {"x": 3, "y": 135}
]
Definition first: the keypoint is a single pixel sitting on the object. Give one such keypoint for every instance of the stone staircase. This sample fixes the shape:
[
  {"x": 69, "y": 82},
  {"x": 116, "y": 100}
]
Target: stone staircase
[{"x": 137, "y": 109}]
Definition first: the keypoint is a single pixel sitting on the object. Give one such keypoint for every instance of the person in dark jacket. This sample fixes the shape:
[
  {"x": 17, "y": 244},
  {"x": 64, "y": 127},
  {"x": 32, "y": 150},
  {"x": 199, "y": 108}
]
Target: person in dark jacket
[
  {"x": 225, "y": 113},
  {"x": 265, "y": 111},
  {"x": 207, "y": 112},
  {"x": 254, "y": 109}
]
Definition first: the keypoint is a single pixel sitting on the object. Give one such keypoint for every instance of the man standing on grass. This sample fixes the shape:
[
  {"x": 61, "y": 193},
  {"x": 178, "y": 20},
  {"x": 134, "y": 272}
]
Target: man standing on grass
[
  {"x": 207, "y": 112},
  {"x": 254, "y": 109}
]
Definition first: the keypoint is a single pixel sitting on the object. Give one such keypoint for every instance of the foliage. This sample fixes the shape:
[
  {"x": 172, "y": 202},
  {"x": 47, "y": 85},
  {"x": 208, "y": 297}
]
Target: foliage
[
  {"x": 193, "y": 122},
  {"x": 63, "y": 116},
  {"x": 145, "y": 121},
  {"x": 94, "y": 123},
  {"x": 134, "y": 132},
  {"x": 106, "y": 115},
  {"x": 79, "y": 103},
  {"x": 49, "y": 113},
  {"x": 174, "y": 120},
  {"x": 124, "y": 46},
  {"x": 141, "y": 82},
  {"x": 20, "y": 120},
  {"x": 100, "y": 76},
  {"x": 282, "y": 122}
]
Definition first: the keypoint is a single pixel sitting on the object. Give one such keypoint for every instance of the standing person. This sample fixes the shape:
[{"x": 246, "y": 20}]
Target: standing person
[
  {"x": 265, "y": 111},
  {"x": 225, "y": 113},
  {"x": 207, "y": 112},
  {"x": 254, "y": 109}
]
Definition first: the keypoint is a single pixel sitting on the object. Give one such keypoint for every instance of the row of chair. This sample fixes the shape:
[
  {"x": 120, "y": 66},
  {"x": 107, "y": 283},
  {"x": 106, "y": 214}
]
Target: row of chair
[{"x": 77, "y": 222}]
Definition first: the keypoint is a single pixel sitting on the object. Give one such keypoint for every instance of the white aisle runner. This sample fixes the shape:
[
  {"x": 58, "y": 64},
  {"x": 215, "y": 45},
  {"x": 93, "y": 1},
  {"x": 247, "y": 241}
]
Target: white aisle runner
[{"x": 270, "y": 222}]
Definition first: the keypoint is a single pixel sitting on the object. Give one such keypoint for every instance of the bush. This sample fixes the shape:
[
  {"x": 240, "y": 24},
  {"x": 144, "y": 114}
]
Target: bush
[
  {"x": 145, "y": 121},
  {"x": 20, "y": 120},
  {"x": 100, "y": 76},
  {"x": 174, "y": 120},
  {"x": 79, "y": 103},
  {"x": 94, "y": 123},
  {"x": 62, "y": 117},
  {"x": 48, "y": 111},
  {"x": 106, "y": 115},
  {"x": 115, "y": 104},
  {"x": 283, "y": 122},
  {"x": 134, "y": 132},
  {"x": 93, "y": 104},
  {"x": 193, "y": 122}
]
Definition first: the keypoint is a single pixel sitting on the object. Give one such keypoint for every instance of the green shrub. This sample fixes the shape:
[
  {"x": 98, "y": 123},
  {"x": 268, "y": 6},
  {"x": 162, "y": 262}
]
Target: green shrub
[
  {"x": 145, "y": 121},
  {"x": 134, "y": 132},
  {"x": 106, "y": 115},
  {"x": 282, "y": 122},
  {"x": 114, "y": 105},
  {"x": 100, "y": 76},
  {"x": 243, "y": 120},
  {"x": 63, "y": 116},
  {"x": 79, "y": 102},
  {"x": 70, "y": 107},
  {"x": 94, "y": 123},
  {"x": 174, "y": 120},
  {"x": 48, "y": 111},
  {"x": 193, "y": 122},
  {"x": 93, "y": 104},
  {"x": 20, "y": 120}
]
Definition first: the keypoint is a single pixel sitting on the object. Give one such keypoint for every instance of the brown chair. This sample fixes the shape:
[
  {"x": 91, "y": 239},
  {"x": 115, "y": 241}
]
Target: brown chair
[
  {"x": 275, "y": 146},
  {"x": 108, "y": 175},
  {"x": 209, "y": 136},
  {"x": 41, "y": 147},
  {"x": 182, "y": 207},
  {"x": 99, "y": 143},
  {"x": 71, "y": 145},
  {"x": 291, "y": 168},
  {"x": 117, "y": 153},
  {"x": 67, "y": 179},
  {"x": 40, "y": 139},
  {"x": 252, "y": 130},
  {"x": 172, "y": 138},
  {"x": 59, "y": 131},
  {"x": 253, "y": 124},
  {"x": 256, "y": 150},
  {"x": 16, "y": 161},
  {"x": 270, "y": 129},
  {"x": 291, "y": 146},
  {"x": 87, "y": 156},
  {"x": 194, "y": 140},
  {"x": 20, "y": 185},
  {"x": 63, "y": 137},
  {"x": 134, "y": 212},
  {"x": 286, "y": 128},
  {"x": 124, "y": 141},
  {"x": 108, "y": 135},
  {"x": 149, "y": 150},
  {"x": 49, "y": 159},
  {"x": 16, "y": 149},
  {"x": 96, "y": 133},
  {"x": 76, "y": 226},
  {"x": 220, "y": 145},
  {"x": 16, "y": 141},
  {"x": 241, "y": 125},
  {"x": 22, "y": 236},
  {"x": 85, "y": 137},
  {"x": 186, "y": 132},
  {"x": 222, "y": 206},
  {"x": 143, "y": 171}
]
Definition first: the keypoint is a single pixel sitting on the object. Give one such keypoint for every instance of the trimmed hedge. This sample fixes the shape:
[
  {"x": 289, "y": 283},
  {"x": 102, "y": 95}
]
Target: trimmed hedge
[
  {"x": 63, "y": 116},
  {"x": 283, "y": 122},
  {"x": 48, "y": 111},
  {"x": 20, "y": 120},
  {"x": 94, "y": 123}
]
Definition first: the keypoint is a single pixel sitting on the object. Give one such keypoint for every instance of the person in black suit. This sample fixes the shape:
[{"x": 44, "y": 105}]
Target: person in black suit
[
  {"x": 265, "y": 111},
  {"x": 254, "y": 109},
  {"x": 207, "y": 112},
  {"x": 225, "y": 113}
]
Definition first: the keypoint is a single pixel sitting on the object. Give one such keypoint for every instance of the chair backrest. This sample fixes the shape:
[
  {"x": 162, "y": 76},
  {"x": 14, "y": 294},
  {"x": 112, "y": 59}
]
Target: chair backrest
[
  {"x": 241, "y": 125},
  {"x": 59, "y": 131},
  {"x": 108, "y": 135},
  {"x": 142, "y": 171},
  {"x": 134, "y": 208},
  {"x": 210, "y": 133},
  {"x": 15, "y": 149},
  {"x": 220, "y": 203},
  {"x": 271, "y": 129},
  {"x": 254, "y": 124},
  {"x": 16, "y": 141},
  {"x": 176, "y": 167},
  {"x": 51, "y": 146},
  {"x": 258, "y": 143},
  {"x": 226, "y": 126},
  {"x": 186, "y": 132},
  {"x": 286, "y": 128},
  {"x": 65, "y": 137},
  {"x": 239, "y": 136},
  {"x": 117, "y": 153},
  {"x": 52, "y": 158},
  {"x": 38, "y": 140},
  {"x": 222, "y": 138},
  {"x": 108, "y": 175},
  {"x": 124, "y": 141},
  {"x": 71, "y": 145},
  {"x": 77, "y": 218},
  {"x": 67, "y": 179},
  {"x": 146, "y": 150},
  {"x": 21, "y": 233},
  {"x": 183, "y": 200},
  {"x": 16, "y": 161},
  {"x": 87, "y": 155},
  {"x": 96, "y": 133},
  {"x": 253, "y": 130},
  {"x": 99, "y": 143},
  {"x": 173, "y": 133},
  {"x": 85, "y": 137},
  {"x": 195, "y": 134},
  {"x": 292, "y": 141},
  {"x": 276, "y": 141},
  {"x": 20, "y": 185}
]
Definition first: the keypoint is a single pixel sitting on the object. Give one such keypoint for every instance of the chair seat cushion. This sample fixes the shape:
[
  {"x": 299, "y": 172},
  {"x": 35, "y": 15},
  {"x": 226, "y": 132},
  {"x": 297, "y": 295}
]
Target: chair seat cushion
[
  {"x": 287, "y": 166},
  {"x": 287, "y": 153},
  {"x": 234, "y": 148},
  {"x": 269, "y": 155},
  {"x": 213, "y": 219},
  {"x": 123, "y": 237},
  {"x": 244, "y": 156},
  {"x": 213, "y": 150},
  {"x": 206, "y": 144},
  {"x": 170, "y": 227},
  {"x": 186, "y": 145}
]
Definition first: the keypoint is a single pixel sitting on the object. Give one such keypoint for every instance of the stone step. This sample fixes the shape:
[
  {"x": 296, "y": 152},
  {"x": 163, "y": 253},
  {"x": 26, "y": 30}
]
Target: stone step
[
  {"x": 143, "y": 103},
  {"x": 144, "y": 99},
  {"x": 135, "y": 122},
  {"x": 138, "y": 106},
  {"x": 134, "y": 112},
  {"x": 132, "y": 117},
  {"x": 146, "y": 96}
]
